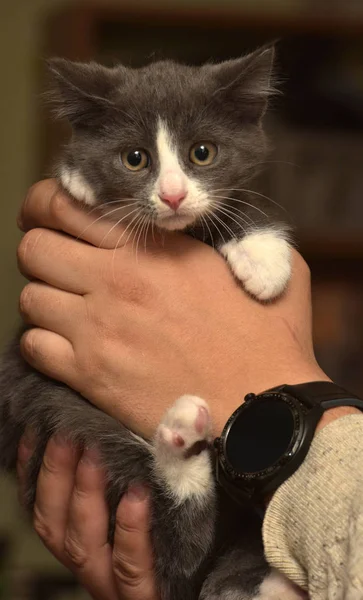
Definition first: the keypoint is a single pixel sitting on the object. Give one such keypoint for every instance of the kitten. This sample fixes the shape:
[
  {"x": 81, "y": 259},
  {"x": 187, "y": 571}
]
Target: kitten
[{"x": 174, "y": 146}]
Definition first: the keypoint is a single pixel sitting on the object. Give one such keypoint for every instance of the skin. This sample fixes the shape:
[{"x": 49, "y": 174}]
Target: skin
[{"x": 110, "y": 356}]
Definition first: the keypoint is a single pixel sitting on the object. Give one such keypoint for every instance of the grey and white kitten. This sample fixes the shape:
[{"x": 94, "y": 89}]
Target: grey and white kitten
[{"x": 173, "y": 146}]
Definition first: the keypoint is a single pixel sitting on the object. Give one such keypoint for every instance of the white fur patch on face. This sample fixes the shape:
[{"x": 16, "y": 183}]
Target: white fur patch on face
[
  {"x": 261, "y": 261},
  {"x": 77, "y": 186},
  {"x": 173, "y": 181},
  {"x": 277, "y": 587}
]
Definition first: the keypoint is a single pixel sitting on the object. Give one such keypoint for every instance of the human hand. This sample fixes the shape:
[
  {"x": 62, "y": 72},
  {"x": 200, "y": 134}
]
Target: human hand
[
  {"x": 71, "y": 518},
  {"x": 132, "y": 334}
]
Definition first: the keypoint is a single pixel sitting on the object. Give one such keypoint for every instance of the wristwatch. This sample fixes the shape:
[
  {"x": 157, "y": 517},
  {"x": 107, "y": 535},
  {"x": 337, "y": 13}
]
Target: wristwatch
[{"x": 267, "y": 438}]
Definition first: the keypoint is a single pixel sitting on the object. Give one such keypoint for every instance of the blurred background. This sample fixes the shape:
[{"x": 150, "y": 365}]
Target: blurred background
[{"x": 315, "y": 170}]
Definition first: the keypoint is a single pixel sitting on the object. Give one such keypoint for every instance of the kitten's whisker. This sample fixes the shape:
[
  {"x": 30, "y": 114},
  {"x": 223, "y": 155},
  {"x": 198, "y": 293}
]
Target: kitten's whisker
[
  {"x": 212, "y": 216},
  {"x": 228, "y": 211},
  {"x": 146, "y": 232},
  {"x": 115, "y": 225},
  {"x": 242, "y": 202},
  {"x": 240, "y": 217},
  {"x": 153, "y": 230},
  {"x": 282, "y": 162},
  {"x": 119, "y": 240},
  {"x": 132, "y": 229},
  {"x": 99, "y": 206},
  {"x": 203, "y": 230},
  {"x": 135, "y": 230},
  {"x": 209, "y": 230},
  {"x": 231, "y": 215},
  {"x": 226, "y": 227},
  {"x": 140, "y": 234},
  {"x": 102, "y": 217},
  {"x": 247, "y": 191}
]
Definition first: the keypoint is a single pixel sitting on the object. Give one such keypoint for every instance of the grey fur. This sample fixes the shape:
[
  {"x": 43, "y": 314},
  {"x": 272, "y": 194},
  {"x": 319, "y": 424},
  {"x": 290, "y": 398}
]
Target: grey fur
[{"x": 112, "y": 109}]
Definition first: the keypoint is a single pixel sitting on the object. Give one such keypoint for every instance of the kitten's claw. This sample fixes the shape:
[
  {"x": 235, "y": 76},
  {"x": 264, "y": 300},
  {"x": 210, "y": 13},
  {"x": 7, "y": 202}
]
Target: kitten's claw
[
  {"x": 181, "y": 445},
  {"x": 261, "y": 261}
]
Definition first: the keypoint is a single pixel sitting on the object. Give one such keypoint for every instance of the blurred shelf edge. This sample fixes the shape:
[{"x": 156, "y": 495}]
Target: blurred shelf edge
[
  {"x": 330, "y": 245},
  {"x": 76, "y": 40}
]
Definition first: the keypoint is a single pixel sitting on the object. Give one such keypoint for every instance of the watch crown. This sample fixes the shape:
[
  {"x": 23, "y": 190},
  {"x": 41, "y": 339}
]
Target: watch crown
[
  {"x": 216, "y": 443},
  {"x": 250, "y": 397}
]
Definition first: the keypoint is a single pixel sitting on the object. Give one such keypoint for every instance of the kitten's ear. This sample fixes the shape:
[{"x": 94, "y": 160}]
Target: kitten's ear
[
  {"x": 81, "y": 92},
  {"x": 246, "y": 82}
]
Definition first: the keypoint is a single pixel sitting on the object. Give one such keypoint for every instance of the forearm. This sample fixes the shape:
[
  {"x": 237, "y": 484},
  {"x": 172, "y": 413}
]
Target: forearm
[{"x": 313, "y": 531}]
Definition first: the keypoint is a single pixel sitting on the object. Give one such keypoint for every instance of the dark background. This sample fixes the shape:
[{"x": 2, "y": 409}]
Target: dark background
[{"x": 315, "y": 170}]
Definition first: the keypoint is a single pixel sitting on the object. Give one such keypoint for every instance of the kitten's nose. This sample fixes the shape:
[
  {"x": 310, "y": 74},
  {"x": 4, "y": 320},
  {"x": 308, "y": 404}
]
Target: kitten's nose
[{"x": 172, "y": 200}]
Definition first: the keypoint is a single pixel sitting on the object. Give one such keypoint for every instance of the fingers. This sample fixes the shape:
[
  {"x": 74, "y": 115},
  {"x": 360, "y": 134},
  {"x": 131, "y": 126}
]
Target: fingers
[
  {"x": 50, "y": 354},
  {"x": 132, "y": 556},
  {"x": 59, "y": 260},
  {"x": 25, "y": 452},
  {"x": 50, "y": 308},
  {"x": 85, "y": 541},
  {"x": 54, "y": 491},
  {"x": 71, "y": 517},
  {"x": 48, "y": 206}
]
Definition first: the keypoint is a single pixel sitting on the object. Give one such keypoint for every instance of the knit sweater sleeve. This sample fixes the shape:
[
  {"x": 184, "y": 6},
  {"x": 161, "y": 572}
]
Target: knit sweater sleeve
[{"x": 313, "y": 527}]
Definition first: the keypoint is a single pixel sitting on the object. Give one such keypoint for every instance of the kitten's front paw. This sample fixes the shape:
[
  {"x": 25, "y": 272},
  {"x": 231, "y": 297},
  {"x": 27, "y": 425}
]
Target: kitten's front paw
[
  {"x": 261, "y": 261},
  {"x": 186, "y": 427},
  {"x": 182, "y": 448}
]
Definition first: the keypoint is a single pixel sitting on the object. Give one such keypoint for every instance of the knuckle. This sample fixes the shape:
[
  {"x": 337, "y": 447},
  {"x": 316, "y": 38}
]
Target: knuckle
[
  {"x": 27, "y": 246},
  {"x": 44, "y": 530},
  {"x": 29, "y": 344},
  {"x": 58, "y": 205},
  {"x": 50, "y": 464},
  {"x": 26, "y": 300},
  {"x": 125, "y": 571},
  {"x": 81, "y": 495},
  {"x": 127, "y": 528},
  {"x": 75, "y": 553},
  {"x": 33, "y": 191}
]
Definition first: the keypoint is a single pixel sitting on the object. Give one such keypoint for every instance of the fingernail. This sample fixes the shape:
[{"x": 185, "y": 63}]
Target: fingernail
[
  {"x": 91, "y": 457},
  {"x": 137, "y": 492}
]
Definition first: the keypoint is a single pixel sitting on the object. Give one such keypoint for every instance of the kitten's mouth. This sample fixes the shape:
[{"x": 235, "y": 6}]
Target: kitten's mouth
[{"x": 175, "y": 222}]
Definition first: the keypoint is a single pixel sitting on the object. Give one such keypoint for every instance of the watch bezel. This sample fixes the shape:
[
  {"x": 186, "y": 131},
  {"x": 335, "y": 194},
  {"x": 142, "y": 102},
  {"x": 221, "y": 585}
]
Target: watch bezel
[
  {"x": 308, "y": 402},
  {"x": 299, "y": 426}
]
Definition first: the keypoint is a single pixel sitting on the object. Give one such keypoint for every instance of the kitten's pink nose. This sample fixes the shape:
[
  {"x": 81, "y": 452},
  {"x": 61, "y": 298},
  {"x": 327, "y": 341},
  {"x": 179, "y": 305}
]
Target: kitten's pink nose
[{"x": 172, "y": 200}]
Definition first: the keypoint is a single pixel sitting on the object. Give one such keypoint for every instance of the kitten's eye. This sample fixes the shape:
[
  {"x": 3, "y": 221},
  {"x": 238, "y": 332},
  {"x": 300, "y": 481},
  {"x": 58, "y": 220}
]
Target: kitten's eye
[
  {"x": 135, "y": 160},
  {"x": 203, "y": 153}
]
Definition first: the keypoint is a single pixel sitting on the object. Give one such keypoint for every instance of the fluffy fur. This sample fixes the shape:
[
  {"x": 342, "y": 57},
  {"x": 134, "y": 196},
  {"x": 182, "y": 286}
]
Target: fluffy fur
[{"x": 159, "y": 114}]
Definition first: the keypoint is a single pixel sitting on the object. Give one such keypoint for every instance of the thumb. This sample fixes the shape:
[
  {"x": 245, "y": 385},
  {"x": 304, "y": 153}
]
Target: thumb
[{"x": 132, "y": 554}]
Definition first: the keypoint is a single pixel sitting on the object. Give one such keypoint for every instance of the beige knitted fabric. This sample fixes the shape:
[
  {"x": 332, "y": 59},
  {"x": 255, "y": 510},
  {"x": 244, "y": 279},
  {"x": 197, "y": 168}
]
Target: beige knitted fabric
[{"x": 313, "y": 528}]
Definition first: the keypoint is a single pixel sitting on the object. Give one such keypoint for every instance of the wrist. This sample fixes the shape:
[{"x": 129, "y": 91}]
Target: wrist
[{"x": 259, "y": 382}]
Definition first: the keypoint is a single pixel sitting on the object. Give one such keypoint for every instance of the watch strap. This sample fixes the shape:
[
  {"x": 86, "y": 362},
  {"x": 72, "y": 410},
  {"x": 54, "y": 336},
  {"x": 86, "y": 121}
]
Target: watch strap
[{"x": 323, "y": 393}]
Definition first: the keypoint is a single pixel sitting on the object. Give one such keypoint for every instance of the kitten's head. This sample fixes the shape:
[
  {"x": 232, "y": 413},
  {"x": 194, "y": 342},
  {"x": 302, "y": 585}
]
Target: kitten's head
[{"x": 167, "y": 141}]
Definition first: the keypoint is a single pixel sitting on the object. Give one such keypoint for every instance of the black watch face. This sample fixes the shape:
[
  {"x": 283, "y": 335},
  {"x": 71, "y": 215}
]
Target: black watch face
[{"x": 260, "y": 435}]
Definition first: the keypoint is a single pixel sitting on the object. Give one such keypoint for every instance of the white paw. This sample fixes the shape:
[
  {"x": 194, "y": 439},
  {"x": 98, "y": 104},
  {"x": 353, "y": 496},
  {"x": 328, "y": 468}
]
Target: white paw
[
  {"x": 186, "y": 424},
  {"x": 181, "y": 447},
  {"x": 261, "y": 261}
]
